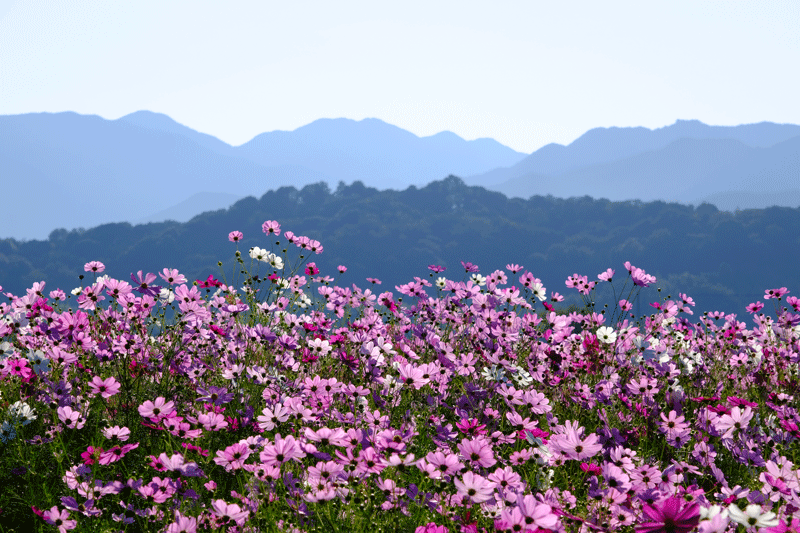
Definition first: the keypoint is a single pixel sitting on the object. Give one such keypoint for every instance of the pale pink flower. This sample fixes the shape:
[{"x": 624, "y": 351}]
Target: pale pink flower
[
  {"x": 229, "y": 511},
  {"x": 60, "y": 519},
  {"x": 474, "y": 487},
  {"x": 158, "y": 409}
]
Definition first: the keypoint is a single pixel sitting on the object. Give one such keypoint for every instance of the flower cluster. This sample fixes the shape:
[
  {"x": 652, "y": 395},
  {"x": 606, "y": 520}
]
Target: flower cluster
[{"x": 295, "y": 405}]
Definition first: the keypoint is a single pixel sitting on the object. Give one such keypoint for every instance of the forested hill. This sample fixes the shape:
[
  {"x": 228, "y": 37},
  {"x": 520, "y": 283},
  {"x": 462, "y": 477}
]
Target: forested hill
[{"x": 723, "y": 260}]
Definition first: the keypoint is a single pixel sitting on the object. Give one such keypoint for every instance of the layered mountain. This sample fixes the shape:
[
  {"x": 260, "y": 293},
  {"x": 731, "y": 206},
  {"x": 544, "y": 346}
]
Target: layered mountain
[
  {"x": 65, "y": 170},
  {"x": 747, "y": 166}
]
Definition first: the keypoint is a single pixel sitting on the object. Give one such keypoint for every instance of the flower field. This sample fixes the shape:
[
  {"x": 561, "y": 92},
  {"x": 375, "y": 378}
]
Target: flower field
[{"x": 275, "y": 397}]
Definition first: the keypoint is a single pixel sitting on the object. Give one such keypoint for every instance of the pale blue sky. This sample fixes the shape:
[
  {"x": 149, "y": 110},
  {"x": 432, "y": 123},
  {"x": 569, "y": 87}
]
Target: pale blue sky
[{"x": 525, "y": 73}]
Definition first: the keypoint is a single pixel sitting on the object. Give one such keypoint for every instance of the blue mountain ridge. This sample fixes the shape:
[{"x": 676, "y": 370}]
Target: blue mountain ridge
[{"x": 82, "y": 170}]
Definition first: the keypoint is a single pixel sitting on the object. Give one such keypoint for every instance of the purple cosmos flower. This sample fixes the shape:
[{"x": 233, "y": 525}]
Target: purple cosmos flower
[
  {"x": 469, "y": 267},
  {"x": 144, "y": 284}
]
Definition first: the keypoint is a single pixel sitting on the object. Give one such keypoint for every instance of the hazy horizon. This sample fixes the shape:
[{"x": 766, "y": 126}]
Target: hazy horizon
[{"x": 525, "y": 74}]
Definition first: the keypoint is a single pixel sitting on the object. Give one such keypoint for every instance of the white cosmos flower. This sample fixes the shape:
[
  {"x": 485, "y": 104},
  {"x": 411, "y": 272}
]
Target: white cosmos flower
[
  {"x": 441, "y": 282},
  {"x": 606, "y": 335},
  {"x": 522, "y": 377},
  {"x": 752, "y": 516},
  {"x": 275, "y": 261},
  {"x": 304, "y": 301},
  {"x": 494, "y": 373},
  {"x": 76, "y": 291},
  {"x": 478, "y": 280},
  {"x": 707, "y": 513},
  {"x": 259, "y": 254},
  {"x": 539, "y": 291},
  {"x": 22, "y": 412},
  {"x": 6, "y": 349},
  {"x": 166, "y": 295}
]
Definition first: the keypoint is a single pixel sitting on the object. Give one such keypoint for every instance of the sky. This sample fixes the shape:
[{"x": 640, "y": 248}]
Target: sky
[{"x": 525, "y": 73}]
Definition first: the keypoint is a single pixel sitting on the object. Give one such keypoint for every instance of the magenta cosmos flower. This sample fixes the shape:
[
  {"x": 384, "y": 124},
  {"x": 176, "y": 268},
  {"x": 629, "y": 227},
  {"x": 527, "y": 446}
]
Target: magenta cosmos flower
[{"x": 668, "y": 517}]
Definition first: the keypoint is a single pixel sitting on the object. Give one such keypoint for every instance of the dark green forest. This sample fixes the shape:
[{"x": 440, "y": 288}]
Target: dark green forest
[{"x": 723, "y": 260}]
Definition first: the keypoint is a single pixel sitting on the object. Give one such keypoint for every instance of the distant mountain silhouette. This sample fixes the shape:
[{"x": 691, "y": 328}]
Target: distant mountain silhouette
[
  {"x": 687, "y": 170},
  {"x": 604, "y": 145},
  {"x": 191, "y": 207},
  {"x": 83, "y": 170}
]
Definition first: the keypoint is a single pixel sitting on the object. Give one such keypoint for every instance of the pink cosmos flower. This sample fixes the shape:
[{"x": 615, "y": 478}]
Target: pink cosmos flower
[
  {"x": 477, "y": 451},
  {"x": 370, "y": 461},
  {"x": 229, "y": 511},
  {"x": 729, "y": 424},
  {"x": 541, "y": 514},
  {"x": 233, "y": 457},
  {"x": 775, "y": 293},
  {"x": 271, "y": 227},
  {"x": 94, "y": 266},
  {"x": 639, "y": 276},
  {"x": 436, "y": 464},
  {"x": 117, "y": 433},
  {"x": 182, "y": 524},
  {"x": 573, "y": 445},
  {"x": 144, "y": 284},
  {"x": 70, "y": 417},
  {"x": 470, "y": 268},
  {"x": 60, "y": 519},
  {"x": 282, "y": 451},
  {"x": 104, "y": 387},
  {"x": 173, "y": 277},
  {"x": 158, "y": 409},
  {"x": 325, "y": 436},
  {"x": 235, "y": 236},
  {"x": 431, "y": 527},
  {"x": 413, "y": 376},
  {"x": 607, "y": 275},
  {"x": 474, "y": 487},
  {"x": 116, "y": 453},
  {"x": 673, "y": 423},
  {"x": 176, "y": 463},
  {"x": 272, "y": 416},
  {"x": 152, "y": 493}
]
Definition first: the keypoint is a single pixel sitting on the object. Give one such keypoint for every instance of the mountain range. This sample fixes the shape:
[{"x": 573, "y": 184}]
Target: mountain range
[{"x": 66, "y": 170}]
